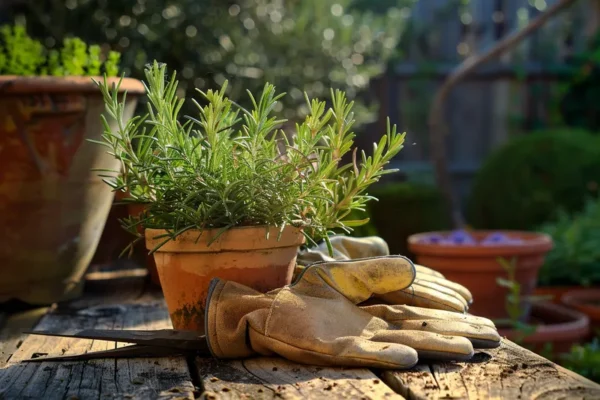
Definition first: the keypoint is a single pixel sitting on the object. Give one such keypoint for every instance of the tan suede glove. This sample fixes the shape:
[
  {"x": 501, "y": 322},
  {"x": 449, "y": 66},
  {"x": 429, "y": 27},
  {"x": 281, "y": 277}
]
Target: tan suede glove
[
  {"x": 430, "y": 289},
  {"x": 316, "y": 320}
]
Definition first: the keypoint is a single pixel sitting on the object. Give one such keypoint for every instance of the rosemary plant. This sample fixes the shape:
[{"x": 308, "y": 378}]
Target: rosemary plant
[{"x": 228, "y": 167}]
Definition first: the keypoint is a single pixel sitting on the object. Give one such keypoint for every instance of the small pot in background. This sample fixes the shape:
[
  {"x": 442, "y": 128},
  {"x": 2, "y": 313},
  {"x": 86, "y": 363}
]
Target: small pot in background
[
  {"x": 586, "y": 301},
  {"x": 554, "y": 293},
  {"x": 555, "y": 324}
]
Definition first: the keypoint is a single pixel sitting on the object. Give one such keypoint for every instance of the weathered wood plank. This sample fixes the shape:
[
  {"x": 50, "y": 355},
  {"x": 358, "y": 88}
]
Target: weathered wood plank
[
  {"x": 11, "y": 336},
  {"x": 269, "y": 378},
  {"x": 509, "y": 372},
  {"x": 136, "y": 378}
]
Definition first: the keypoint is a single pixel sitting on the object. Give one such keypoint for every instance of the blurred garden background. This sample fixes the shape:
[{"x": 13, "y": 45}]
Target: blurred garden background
[{"x": 522, "y": 146}]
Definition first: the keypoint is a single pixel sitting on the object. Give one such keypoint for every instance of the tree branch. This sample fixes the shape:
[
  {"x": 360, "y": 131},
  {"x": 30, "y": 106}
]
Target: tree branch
[{"x": 437, "y": 127}]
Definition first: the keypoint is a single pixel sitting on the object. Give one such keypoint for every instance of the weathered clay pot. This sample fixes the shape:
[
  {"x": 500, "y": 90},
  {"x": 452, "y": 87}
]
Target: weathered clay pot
[
  {"x": 53, "y": 207},
  {"x": 555, "y": 324},
  {"x": 586, "y": 301},
  {"x": 243, "y": 255},
  {"x": 476, "y": 266}
]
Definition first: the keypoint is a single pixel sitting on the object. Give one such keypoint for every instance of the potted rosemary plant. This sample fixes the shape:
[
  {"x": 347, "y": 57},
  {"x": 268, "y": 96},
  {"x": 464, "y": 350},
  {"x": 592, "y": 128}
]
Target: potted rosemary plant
[
  {"x": 229, "y": 195},
  {"x": 52, "y": 208}
]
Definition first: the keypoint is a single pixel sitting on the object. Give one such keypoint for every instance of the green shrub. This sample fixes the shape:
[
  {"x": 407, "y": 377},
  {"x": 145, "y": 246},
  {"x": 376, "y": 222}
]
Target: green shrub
[
  {"x": 21, "y": 55},
  {"x": 575, "y": 258},
  {"x": 404, "y": 209},
  {"x": 299, "y": 46},
  {"x": 584, "y": 360},
  {"x": 526, "y": 182}
]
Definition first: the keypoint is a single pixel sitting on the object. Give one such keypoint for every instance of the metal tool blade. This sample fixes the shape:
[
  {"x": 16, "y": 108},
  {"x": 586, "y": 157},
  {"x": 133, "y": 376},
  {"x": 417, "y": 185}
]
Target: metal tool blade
[
  {"x": 122, "y": 352},
  {"x": 170, "y": 338}
]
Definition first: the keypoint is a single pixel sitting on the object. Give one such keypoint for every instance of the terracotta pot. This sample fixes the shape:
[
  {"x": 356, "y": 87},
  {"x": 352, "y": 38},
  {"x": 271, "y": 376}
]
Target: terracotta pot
[
  {"x": 244, "y": 255},
  {"x": 53, "y": 207},
  {"x": 555, "y": 291},
  {"x": 476, "y": 266},
  {"x": 135, "y": 210},
  {"x": 586, "y": 301},
  {"x": 556, "y": 324}
]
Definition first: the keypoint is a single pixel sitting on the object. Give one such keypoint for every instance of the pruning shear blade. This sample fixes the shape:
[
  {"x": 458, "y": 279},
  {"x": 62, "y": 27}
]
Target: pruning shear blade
[{"x": 146, "y": 343}]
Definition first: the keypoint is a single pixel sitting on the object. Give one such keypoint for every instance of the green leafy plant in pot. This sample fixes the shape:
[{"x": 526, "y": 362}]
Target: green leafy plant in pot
[
  {"x": 571, "y": 272},
  {"x": 52, "y": 206},
  {"x": 227, "y": 194}
]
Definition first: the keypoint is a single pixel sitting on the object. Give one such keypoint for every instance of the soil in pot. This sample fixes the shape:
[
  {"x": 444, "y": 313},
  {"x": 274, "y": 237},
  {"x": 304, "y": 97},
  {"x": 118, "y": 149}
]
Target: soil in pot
[
  {"x": 555, "y": 324},
  {"x": 471, "y": 259},
  {"x": 244, "y": 255},
  {"x": 586, "y": 301},
  {"x": 53, "y": 206}
]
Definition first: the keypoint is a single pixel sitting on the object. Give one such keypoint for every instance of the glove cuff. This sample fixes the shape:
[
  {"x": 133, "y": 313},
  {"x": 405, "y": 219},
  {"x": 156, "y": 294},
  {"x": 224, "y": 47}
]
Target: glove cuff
[{"x": 230, "y": 309}]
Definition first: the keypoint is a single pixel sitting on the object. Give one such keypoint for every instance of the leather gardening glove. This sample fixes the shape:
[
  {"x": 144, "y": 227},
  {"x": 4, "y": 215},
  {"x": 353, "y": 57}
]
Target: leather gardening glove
[
  {"x": 430, "y": 289},
  {"x": 316, "y": 319}
]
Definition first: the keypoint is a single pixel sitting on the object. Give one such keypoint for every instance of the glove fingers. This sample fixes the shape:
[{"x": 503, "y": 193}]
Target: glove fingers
[
  {"x": 432, "y": 289},
  {"x": 454, "y": 287},
  {"x": 359, "y": 279},
  {"x": 415, "y": 295},
  {"x": 345, "y": 248},
  {"x": 361, "y": 352},
  {"x": 429, "y": 344},
  {"x": 480, "y": 336},
  {"x": 428, "y": 271},
  {"x": 352, "y": 248},
  {"x": 405, "y": 313}
]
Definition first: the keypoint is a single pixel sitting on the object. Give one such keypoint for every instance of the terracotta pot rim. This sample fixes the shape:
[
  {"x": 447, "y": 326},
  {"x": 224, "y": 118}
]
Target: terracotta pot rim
[
  {"x": 577, "y": 324},
  {"x": 243, "y": 238},
  {"x": 578, "y": 297},
  {"x": 14, "y": 84},
  {"x": 534, "y": 243}
]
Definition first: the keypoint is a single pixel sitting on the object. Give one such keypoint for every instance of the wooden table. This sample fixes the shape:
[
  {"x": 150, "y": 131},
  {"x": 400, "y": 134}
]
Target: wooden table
[{"x": 126, "y": 301}]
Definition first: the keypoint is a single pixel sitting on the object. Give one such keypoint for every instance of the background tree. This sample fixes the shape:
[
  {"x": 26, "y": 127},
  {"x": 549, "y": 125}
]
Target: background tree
[{"x": 298, "y": 45}]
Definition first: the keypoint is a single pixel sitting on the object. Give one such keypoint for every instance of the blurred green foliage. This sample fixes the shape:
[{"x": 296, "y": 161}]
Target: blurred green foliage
[
  {"x": 298, "y": 45},
  {"x": 524, "y": 183},
  {"x": 575, "y": 258},
  {"x": 22, "y": 55},
  {"x": 403, "y": 209},
  {"x": 579, "y": 99},
  {"x": 584, "y": 359}
]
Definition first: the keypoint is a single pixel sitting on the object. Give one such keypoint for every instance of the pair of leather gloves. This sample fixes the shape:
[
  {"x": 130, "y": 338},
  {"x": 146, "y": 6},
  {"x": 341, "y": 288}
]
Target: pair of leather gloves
[{"x": 360, "y": 308}]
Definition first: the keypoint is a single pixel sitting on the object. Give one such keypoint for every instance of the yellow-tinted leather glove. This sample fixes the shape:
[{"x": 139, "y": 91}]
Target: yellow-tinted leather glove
[
  {"x": 430, "y": 289},
  {"x": 316, "y": 319}
]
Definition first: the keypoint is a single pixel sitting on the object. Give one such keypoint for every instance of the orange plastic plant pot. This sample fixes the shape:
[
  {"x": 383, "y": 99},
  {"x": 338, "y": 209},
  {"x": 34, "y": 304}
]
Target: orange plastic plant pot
[{"x": 244, "y": 255}]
